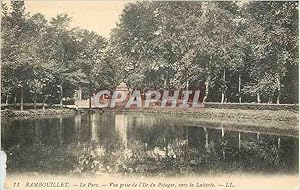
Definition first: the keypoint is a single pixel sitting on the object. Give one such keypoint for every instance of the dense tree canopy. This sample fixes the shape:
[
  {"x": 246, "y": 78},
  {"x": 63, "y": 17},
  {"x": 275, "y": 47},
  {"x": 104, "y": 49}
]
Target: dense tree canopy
[
  {"x": 232, "y": 52},
  {"x": 47, "y": 60}
]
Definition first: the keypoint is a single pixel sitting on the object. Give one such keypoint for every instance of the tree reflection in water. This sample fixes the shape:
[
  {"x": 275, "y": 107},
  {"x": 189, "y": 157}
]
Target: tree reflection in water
[{"x": 128, "y": 143}]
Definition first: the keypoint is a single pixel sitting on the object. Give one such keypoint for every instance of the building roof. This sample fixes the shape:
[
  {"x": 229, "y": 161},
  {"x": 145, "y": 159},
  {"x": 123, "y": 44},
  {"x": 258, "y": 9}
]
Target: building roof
[{"x": 122, "y": 87}]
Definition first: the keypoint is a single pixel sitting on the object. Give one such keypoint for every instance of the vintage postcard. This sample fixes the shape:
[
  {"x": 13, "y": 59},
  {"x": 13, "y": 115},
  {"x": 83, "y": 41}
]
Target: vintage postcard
[{"x": 149, "y": 95}]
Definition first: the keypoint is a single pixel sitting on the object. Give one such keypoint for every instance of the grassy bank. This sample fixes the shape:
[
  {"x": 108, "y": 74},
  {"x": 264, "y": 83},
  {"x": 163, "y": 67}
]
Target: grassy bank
[
  {"x": 8, "y": 113},
  {"x": 205, "y": 113},
  {"x": 215, "y": 113}
]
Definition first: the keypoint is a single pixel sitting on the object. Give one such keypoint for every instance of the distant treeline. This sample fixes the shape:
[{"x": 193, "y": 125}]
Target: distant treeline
[{"x": 233, "y": 52}]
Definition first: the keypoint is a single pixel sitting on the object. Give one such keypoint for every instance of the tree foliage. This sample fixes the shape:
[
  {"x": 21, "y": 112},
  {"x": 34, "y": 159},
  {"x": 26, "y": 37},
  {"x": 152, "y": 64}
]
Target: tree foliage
[
  {"x": 230, "y": 50},
  {"x": 46, "y": 59}
]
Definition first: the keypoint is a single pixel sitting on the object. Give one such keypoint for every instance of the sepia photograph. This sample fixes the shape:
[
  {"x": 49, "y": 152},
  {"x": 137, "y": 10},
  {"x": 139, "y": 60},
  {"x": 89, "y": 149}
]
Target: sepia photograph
[{"x": 149, "y": 95}]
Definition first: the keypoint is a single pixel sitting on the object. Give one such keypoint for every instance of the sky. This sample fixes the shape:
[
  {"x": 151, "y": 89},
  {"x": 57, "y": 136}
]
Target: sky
[{"x": 98, "y": 16}]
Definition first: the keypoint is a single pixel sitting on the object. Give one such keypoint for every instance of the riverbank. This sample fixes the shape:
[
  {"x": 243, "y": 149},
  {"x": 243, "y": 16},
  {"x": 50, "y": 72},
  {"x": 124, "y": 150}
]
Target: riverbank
[
  {"x": 215, "y": 113},
  {"x": 32, "y": 113},
  {"x": 204, "y": 113}
]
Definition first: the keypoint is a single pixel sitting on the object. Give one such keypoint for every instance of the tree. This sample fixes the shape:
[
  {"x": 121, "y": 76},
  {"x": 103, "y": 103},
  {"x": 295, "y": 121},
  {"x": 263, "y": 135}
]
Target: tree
[
  {"x": 278, "y": 44},
  {"x": 63, "y": 53},
  {"x": 151, "y": 44},
  {"x": 17, "y": 65},
  {"x": 93, "y": 61}
]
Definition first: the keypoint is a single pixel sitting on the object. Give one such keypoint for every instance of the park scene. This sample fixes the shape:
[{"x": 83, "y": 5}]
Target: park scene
[{"x": 150, "y": 88}]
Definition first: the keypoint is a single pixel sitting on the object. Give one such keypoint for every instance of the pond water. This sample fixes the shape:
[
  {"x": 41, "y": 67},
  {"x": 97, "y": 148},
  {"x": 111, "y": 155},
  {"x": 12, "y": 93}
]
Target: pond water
[{"x": 137, "y": 143}]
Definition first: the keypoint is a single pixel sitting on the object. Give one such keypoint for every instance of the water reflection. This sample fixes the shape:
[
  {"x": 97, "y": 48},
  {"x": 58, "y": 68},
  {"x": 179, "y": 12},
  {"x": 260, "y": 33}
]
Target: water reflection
[
  {"x": 121, "y": 127},
  {"x": 138, "y": 143}
]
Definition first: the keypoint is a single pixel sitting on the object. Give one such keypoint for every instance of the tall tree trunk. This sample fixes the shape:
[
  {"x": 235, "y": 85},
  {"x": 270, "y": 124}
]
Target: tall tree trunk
[
  {"x": 223, "y": 88},
  {"x": 278, "y": 89},
  {"x": 207, "y": 81},
  {"x": 15, "y": 101},
  {"x": 44, "y": 102},
  {"x": 90, "y": 96},
  {"x": 187, "y": 89},
  {"x": 187, "y": 85},
  {"x": 90, "y": 102},
  {"x": 22, "y": 98},
  {"x": 7, "y": 98},
  {"x": 79, "y": 93},
  {"x": 61, "y": 96},
  {"x": 34, "y": 101},
  {"x": 270, "y": 98},
  {"x": 166, "y": 80},
  {"x": 258, "y": 97},
  {"x": 240, "y": 83}
]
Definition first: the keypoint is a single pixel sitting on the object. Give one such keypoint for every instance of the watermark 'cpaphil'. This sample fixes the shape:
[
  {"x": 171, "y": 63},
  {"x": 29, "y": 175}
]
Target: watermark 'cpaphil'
[{"x": 165, "y": 98}]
